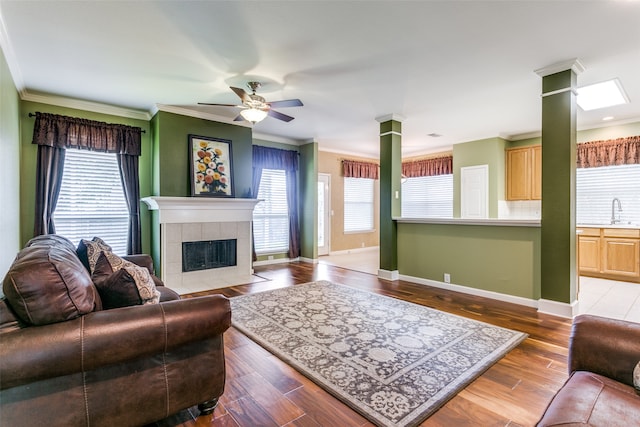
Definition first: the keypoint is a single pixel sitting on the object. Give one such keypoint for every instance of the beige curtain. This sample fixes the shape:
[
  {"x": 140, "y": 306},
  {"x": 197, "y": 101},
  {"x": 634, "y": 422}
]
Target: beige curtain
[
  {"x": 611, "y": 152},
  {"x": 358, "y": 169},
  {"x": 428, "y": 167}
]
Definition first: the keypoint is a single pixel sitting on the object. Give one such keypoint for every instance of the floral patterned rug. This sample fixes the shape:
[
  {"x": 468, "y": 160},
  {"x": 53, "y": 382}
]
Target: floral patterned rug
[{"x": 392, "y": 361}]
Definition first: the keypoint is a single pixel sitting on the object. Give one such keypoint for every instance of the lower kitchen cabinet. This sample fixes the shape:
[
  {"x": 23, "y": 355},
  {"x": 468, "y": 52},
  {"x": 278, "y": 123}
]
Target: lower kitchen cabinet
[{"x": 610, "y": 253}]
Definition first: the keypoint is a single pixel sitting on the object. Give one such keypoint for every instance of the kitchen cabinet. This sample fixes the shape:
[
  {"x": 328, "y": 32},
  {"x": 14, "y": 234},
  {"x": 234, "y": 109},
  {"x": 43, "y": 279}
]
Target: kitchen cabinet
[
  {"x": 524, "y": 173},
  {"x": 589, "y": 250},
  {"x": 610, "y": 253}
]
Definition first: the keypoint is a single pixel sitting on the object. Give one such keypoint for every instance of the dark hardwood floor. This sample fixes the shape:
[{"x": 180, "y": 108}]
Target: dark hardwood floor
[{"x": 263, "y": 391}]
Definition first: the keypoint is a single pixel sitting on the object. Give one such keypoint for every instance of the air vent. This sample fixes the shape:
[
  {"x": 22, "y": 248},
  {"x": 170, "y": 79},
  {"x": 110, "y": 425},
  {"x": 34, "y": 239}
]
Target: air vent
[{"x": 434, "y": 135}]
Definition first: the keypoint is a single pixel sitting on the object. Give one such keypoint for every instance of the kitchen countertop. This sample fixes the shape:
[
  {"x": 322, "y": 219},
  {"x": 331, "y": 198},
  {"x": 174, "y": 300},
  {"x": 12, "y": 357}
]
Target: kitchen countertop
[
  {"x": 502, "y": 222},
  {"x": 631, "y": 226},
  {"x": 496, "y": 222}
]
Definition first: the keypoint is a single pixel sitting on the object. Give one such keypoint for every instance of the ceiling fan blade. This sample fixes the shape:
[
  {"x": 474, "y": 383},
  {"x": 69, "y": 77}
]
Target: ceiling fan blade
[
  {"x": 219, "y": 105},
  {"x": 286, "y": 103},
  {"x": 241, "y": 93},
  {"x": 238, "y": 118},
  {"x": 279, "y": 116}
]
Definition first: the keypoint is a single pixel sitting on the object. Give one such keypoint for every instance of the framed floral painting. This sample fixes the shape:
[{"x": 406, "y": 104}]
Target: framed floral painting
[{"x": 210, "y": 166}]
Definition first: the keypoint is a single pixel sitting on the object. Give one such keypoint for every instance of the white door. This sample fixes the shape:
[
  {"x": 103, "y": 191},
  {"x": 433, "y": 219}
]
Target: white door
[
  {"x": 474, "y": 192},
  {"x": 324, "y": 213}
]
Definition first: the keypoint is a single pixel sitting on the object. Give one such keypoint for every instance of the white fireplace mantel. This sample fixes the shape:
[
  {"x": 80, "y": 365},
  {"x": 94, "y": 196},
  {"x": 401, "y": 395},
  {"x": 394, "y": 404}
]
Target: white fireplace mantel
[{"x": 176, "y": 210}]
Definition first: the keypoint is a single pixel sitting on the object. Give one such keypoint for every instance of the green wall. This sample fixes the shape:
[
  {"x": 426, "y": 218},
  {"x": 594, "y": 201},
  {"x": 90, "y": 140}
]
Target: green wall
[
  {"x": 170, "y": 144},
  {"x": 498, "y": 259},
  {"x": 9, "y": 168},
  {"x": 29, "y": 157},
  {"x": 308, "y": 201},
  {"x": 483, "y": 152}
]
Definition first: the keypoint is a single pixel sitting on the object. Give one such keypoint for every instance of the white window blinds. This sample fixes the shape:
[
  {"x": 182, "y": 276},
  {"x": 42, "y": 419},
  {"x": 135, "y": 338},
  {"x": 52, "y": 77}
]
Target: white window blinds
[
  {"x": 358, "y": 204},
  {"x": 428, "y": 197},
  {"x": 271, "y": 216},
  {"x": 597, "y": 187},
  {"x": 91, "y": 201}
]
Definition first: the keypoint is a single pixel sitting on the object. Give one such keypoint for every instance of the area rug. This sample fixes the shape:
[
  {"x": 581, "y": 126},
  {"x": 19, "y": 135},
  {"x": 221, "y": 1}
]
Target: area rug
[{"x": 392, "y": 361}]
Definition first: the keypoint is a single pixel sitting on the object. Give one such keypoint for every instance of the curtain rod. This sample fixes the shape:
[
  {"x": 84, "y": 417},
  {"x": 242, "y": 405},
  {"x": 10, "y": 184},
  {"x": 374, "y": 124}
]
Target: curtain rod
[{"x": 33, "y": 115}]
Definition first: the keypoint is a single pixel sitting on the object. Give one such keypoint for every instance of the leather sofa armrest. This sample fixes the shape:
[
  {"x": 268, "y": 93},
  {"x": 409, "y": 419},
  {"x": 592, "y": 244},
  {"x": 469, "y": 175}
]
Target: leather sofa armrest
[
  {"x": 109, "y": 337},
  {"x": 143, "y": 260},
  {"x": 604, "y": 346}
]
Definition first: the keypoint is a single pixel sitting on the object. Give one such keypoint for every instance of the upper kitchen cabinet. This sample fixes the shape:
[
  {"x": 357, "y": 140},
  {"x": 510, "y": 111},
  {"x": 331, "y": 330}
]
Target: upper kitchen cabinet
[{"x": 524, "y": 173}]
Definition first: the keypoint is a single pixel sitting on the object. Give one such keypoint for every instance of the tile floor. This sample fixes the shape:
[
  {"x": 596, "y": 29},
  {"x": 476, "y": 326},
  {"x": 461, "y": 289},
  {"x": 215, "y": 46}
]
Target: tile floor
[{"x": 607, "y": 298}]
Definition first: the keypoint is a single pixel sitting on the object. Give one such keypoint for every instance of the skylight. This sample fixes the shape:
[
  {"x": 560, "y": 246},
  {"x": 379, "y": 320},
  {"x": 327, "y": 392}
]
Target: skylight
[{"x": 601, "y": 95}]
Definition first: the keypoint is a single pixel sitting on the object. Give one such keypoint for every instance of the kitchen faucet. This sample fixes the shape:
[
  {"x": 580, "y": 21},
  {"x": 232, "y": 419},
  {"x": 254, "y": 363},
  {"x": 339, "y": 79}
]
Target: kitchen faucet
[{"x": 613, "y": 210}]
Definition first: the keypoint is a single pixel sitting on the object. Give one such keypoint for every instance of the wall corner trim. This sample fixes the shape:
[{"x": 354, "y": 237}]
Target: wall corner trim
[
  {"x": 392, "y": 116},
  {"x": 388, "y": 275},
  {"x": 571, "y": 64},
  {"x": 555, "y": 308}
]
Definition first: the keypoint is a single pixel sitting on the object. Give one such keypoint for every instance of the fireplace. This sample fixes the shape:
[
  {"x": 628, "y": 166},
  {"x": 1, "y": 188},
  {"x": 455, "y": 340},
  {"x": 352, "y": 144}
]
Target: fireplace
[
  {"x": 213, "y": 229},
  {"x": 208, "y": 254}
]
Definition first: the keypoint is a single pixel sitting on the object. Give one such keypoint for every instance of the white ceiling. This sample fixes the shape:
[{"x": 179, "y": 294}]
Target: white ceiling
[{"x": 464, "y": 70}]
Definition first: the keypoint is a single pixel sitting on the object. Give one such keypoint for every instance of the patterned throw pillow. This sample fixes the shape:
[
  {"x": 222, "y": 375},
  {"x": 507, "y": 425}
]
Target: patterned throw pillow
[
  {"x": 89, "y": 250},
  {"x": 636, "y": 377},
  {"x": 121, "y": 283}
]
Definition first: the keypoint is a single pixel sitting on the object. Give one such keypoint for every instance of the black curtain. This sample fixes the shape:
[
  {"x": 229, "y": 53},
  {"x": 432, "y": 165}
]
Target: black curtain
[
  {"x": 48, "y": 181},
  {"x": 54, "y": 133},
  {"x": 274, "y": 158}
]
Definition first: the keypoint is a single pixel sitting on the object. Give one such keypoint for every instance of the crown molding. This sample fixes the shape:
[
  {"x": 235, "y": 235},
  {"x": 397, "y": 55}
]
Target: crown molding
[
  {"x": 348, "y": 153},
  {"x": 78, "y": 104},
  {"x": 392, "y": 116},
  {"x": 185, "y": 111},
  {"x": 280, "y": 139},
  {"x": 572, "y": 64}
]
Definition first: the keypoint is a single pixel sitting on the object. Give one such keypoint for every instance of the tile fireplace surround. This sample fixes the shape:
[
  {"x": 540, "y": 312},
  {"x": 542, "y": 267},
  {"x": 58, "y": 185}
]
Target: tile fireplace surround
[{"x": 194, "y": 219}]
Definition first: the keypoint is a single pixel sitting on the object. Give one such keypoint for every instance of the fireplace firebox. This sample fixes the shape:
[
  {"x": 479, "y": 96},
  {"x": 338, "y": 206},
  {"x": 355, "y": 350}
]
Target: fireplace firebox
[{"x": 208, "y": 254}]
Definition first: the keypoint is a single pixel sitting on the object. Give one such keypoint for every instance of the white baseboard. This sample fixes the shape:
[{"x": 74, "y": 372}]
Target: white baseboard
[
  {"x": 527, "y": 302},
  {"x": 308, "y": 260},
  {"x": 561, "y": 309},
  {"x": 388, "y": 275},
  {"x": 354, "y": 250},
  {"x": 274, "y": 261}
]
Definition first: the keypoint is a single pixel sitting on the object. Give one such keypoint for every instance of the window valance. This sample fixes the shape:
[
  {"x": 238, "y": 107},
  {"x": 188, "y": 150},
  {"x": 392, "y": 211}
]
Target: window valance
[
  {"x": 611, "y": 152},
  {"x": 428, "y": 167},
  {"x": 359, "y": 169},
  {"x": 58, "y": 131}
]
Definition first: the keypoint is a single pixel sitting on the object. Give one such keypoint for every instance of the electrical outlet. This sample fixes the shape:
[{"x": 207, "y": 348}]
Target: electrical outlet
[
  {"x": 447, "y": 278},
  {"x": 270, "y": 257}
]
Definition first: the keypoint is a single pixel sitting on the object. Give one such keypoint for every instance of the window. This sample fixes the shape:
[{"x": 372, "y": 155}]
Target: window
[
  {"x": 271, "y": 216},
  {"x": 358, "y": 205},
  {"x": 91, "y": 201},
  {"x": 428, "y": 197},
  {"x": 597, "y": 187}
]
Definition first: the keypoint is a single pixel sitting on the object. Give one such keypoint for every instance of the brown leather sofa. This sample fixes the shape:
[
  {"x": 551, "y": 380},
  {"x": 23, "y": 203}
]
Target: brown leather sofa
[
  {"x": 599, "y": 392},
  {"x": 66, "y": 362}
]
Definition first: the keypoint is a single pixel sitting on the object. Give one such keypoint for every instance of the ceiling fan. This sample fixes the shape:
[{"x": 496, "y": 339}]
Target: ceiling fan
[{"x": 256, "y": 108}]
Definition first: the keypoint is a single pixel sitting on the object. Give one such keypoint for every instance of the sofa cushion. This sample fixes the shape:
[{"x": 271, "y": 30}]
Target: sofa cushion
[
  {"x": 636, "y": 377},
  {"x": 47, "y": 283},
  {"x": 121, "y": 283},
  {"x": 89, "y": 250},
  {"x": 589, "y": 399}
]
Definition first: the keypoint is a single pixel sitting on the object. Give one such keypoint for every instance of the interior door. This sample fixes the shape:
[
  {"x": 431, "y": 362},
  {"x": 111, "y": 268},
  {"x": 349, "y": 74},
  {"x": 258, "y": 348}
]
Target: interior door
[
  {"x": 474, "y": 192},
  {"x": 324, "y": 213}
]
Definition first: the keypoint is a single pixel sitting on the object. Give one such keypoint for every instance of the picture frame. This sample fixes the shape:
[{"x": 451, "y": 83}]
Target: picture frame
[{"x": 210, "y": 167}]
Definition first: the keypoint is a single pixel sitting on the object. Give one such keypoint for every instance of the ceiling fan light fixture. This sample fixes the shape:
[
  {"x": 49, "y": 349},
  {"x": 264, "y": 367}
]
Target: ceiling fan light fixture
[{"x": 253, "y": 115}]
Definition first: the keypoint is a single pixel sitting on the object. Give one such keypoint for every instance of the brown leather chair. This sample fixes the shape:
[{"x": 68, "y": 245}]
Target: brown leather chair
[
  {"x": 124, "y": 366},
  {"x": 599, "y": 392}
]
